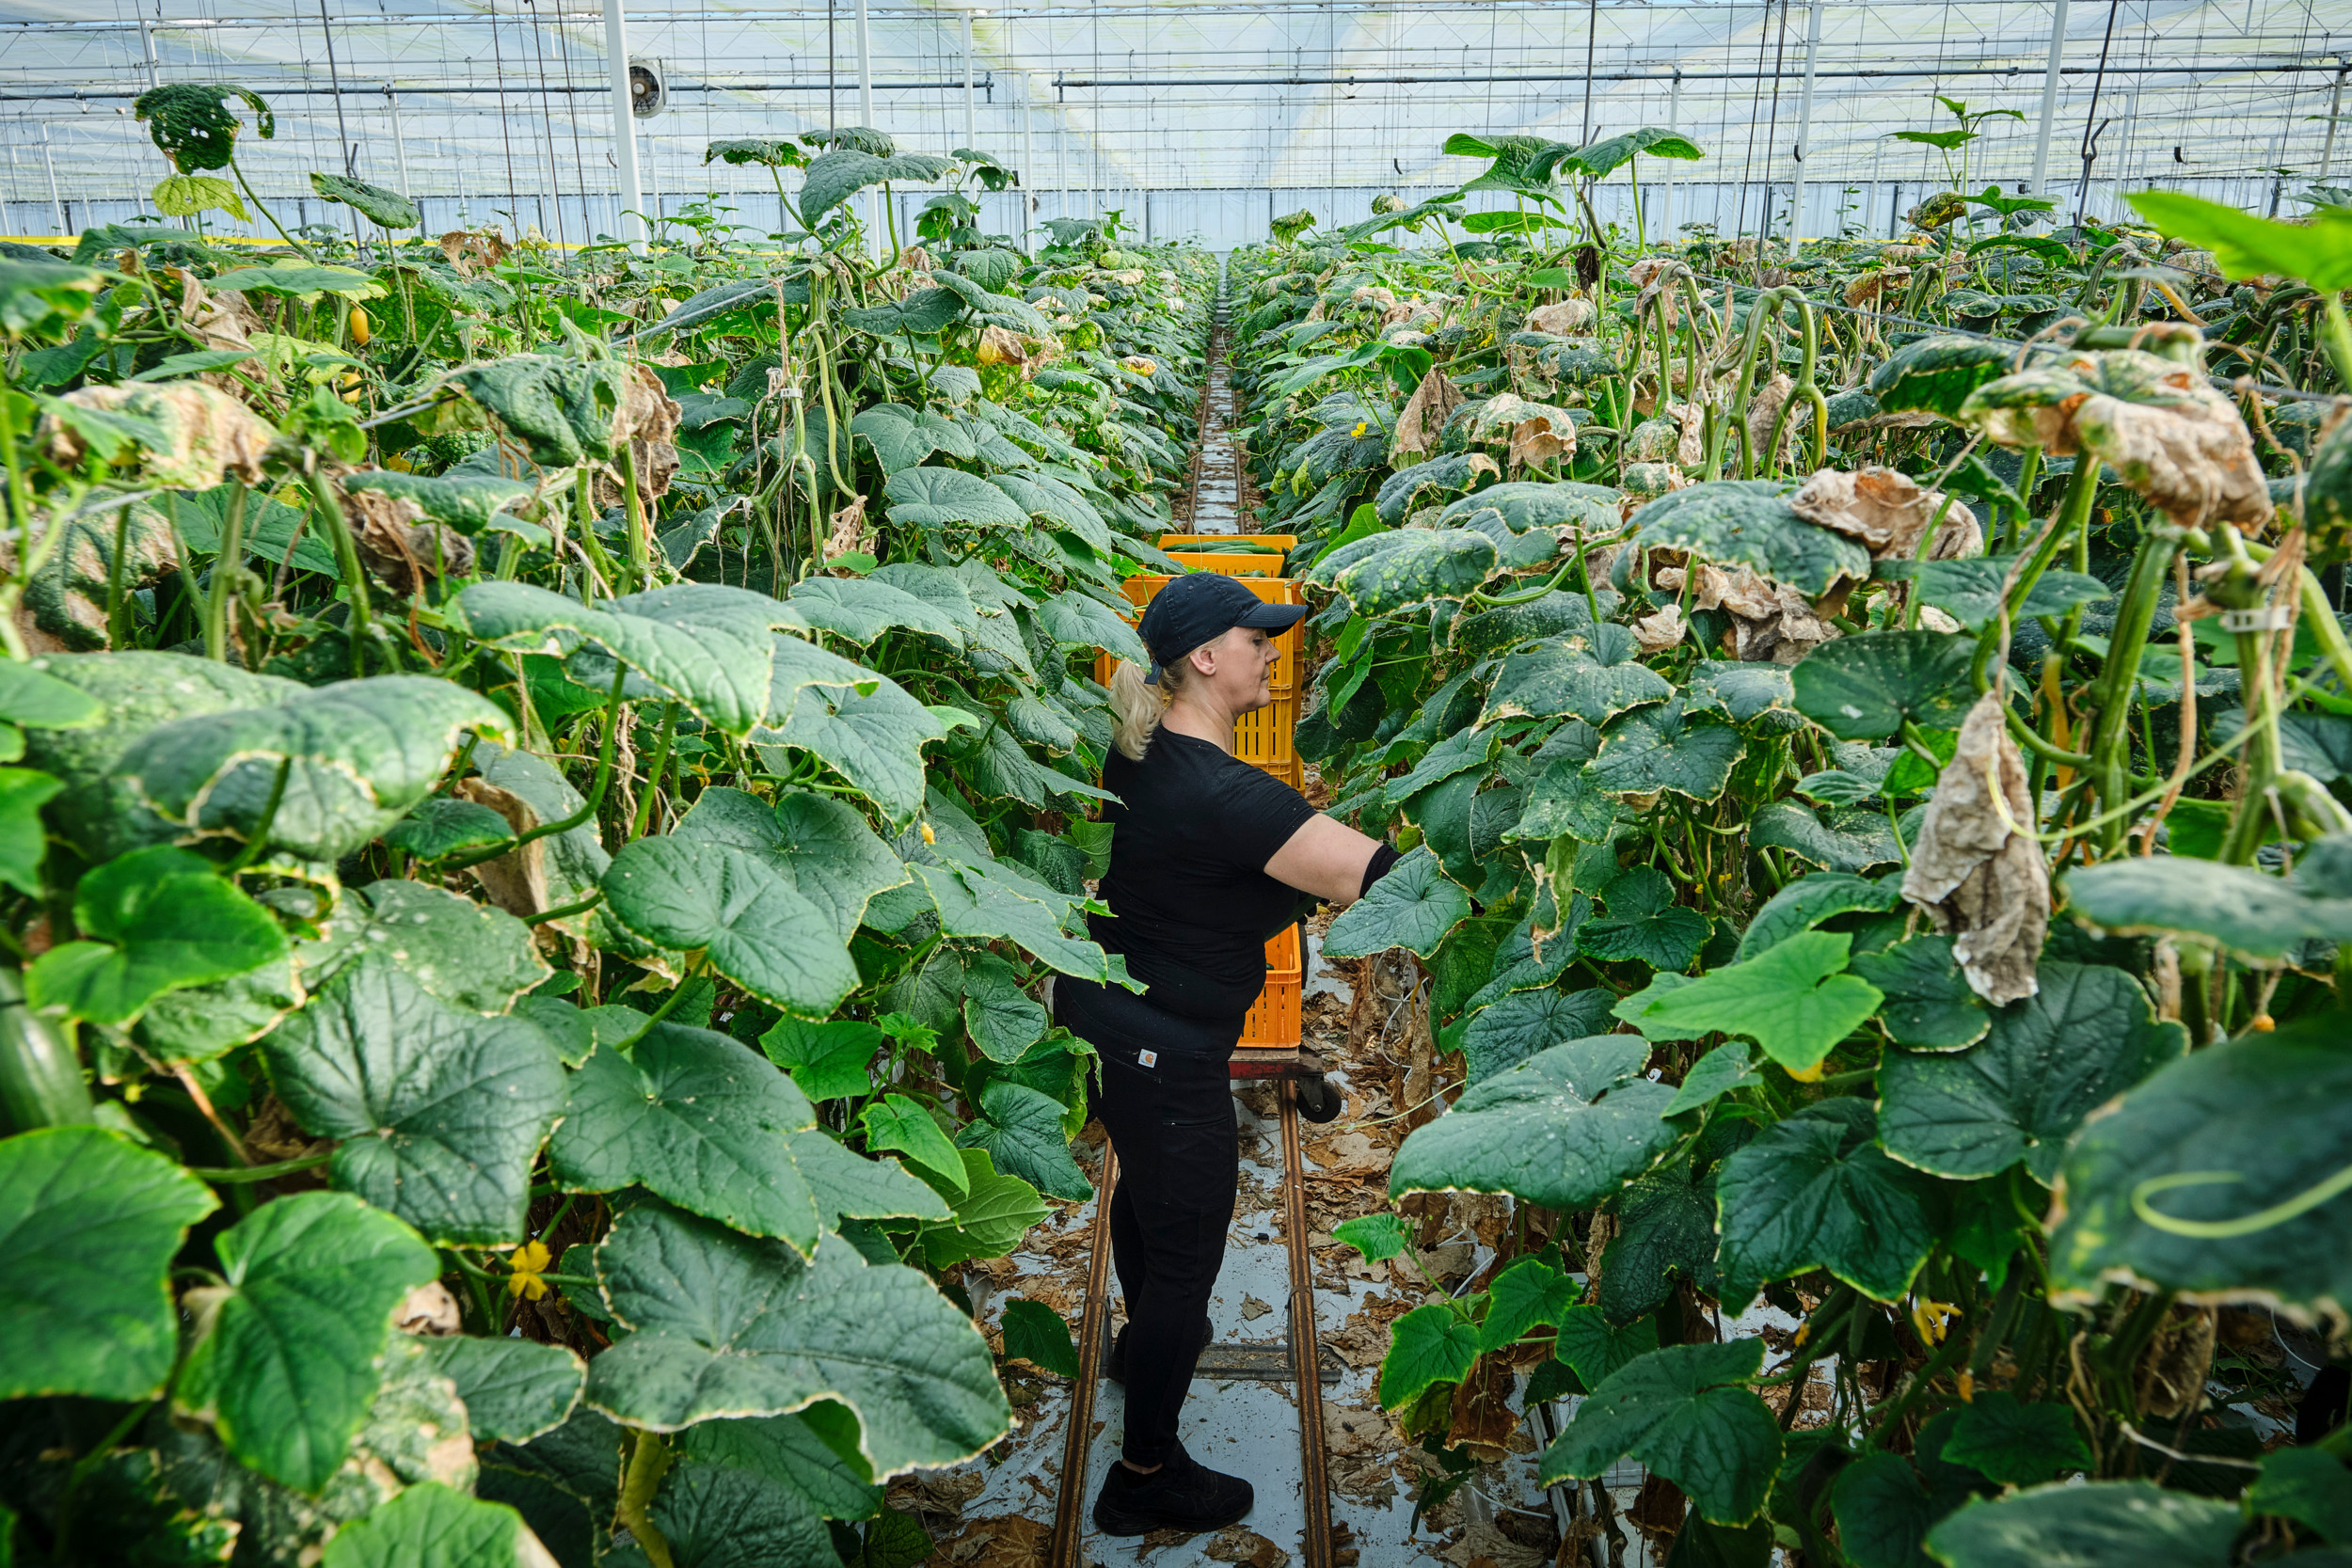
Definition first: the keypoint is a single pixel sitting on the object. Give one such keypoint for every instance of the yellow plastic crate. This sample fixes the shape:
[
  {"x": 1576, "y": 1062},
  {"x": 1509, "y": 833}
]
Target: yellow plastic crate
[
  {"x": 1172, "y": 542},
  {"x": 1140, "y": 588},
  {"x": 1273, "y": 1022},
  {"x": 1264, "y": 739}
]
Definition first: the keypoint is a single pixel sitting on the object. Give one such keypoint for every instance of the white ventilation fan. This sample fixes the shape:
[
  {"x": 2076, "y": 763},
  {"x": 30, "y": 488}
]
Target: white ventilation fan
[{"x": 648, "y": 90}]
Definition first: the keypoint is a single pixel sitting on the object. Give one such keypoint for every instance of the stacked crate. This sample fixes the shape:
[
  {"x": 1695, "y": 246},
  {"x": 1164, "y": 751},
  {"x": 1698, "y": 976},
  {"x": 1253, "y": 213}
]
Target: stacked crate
[{"x": 1263, "y": 739}]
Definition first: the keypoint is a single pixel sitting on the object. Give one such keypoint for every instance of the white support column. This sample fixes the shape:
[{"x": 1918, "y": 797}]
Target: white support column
[
  {"x": 865, "y": 67},
  {"x": 1674, "y": 122},
  {"x": 49, "y": 167},
  {"x": 632, "y": 197},
  {"x": 971, "y": 110},
  {"x": 2049, "y": 99},
  {"x": 147, "y": 53},
  {"x": 400, "y": 143},
  {"x": 874, "y": 229},
  {"x": 1028, "y": 154},
  {"x": 2335, "y": 107},
  {"x": 1804, "y": 125}
]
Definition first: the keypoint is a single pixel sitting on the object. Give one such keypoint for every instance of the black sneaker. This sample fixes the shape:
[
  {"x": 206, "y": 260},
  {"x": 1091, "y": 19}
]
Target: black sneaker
[
  {"x": 1115, "y": 1370},
  {"x": 1181, "y": 1495},
  {"x": 1317, "y": 1100}
]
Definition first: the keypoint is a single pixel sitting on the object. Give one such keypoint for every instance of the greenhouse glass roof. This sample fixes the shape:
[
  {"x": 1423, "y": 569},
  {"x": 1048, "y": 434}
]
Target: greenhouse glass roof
[{"x": 1222, "y": 114}]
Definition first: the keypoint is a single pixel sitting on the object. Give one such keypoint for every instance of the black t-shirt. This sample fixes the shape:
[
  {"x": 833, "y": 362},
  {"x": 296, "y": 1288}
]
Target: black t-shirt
[{"x": 1191, "y": 834}]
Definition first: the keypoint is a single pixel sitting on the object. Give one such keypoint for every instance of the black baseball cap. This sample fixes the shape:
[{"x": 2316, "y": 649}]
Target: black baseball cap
[{"x": 1201, "y": 607}]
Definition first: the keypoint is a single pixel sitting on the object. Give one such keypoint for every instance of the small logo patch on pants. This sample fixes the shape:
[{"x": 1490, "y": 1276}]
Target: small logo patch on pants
[{"x": 1148, "y": 1058}]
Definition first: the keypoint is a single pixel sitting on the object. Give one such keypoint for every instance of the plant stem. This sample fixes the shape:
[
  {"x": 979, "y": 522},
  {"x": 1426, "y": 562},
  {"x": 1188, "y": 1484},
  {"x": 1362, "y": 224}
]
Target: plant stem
[
  {"x": 220, "y": 1176},
  {"x": 648, "y": 1462},
  {"x": 330, "y": 514},
  {"x": 2111, "y": 731},
  {"x": 654, "y": 773}
]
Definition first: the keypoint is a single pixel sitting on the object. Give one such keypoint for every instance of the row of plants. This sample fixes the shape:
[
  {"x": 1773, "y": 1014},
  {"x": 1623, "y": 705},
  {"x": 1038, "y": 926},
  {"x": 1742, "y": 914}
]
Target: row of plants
[
  {"x": 1872, "y": 733},
  {"x": 542, "y": 787}
]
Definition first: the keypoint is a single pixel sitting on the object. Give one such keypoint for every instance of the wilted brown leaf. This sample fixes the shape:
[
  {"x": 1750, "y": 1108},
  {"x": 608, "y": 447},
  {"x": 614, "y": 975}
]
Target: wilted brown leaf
[
  {"x": 1976, "y": 868},
  {"x": 207, "y": 434},
  {"x": 1887, "y": 511},
  {"x": 1563, "y": 319},
  {"x": 1425, "y": 413}
]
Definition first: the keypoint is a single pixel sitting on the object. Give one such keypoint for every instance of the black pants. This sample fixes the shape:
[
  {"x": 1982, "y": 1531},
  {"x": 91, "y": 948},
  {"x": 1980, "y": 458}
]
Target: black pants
[{"x": 1172, "y": 1124}]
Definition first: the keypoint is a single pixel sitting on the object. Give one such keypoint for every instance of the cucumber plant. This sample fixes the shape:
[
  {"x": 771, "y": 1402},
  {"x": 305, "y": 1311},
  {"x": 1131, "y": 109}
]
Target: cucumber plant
[
  {"x": 1873, "y": 736},
  {"x": 535, "y": 824}
]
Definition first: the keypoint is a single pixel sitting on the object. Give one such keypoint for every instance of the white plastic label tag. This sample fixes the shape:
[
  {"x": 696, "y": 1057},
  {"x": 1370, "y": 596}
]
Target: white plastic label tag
[
  {"x": 1148, "y": 1058},
  {"x": 2274, "y": 617}
]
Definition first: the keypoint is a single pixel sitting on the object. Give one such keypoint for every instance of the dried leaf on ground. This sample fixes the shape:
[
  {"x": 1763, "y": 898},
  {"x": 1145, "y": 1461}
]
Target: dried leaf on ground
[
  {"x": 1770, "y": 620},
  {"x": 1887, "y": 512},
  {"x": 1977, "y": 869},
  {"x": 1764, "y": 406},
  {"x": 1242, "y": 1544}
]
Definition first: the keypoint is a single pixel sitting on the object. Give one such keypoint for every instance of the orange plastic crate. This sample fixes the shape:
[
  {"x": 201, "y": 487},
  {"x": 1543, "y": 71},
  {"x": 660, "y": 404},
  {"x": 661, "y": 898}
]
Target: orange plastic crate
[
  {"x": 1273, "y": 1024},
  {"x": 1291, "y": 771}
]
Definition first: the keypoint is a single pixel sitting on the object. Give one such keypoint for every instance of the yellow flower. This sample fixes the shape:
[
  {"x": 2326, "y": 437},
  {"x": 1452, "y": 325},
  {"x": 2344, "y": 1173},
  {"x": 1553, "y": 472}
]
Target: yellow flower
[
  {"x": 929, "y": 837},
  {"x": 1358, "y": 433},
  {"x": 1932, "y": 1319},
  {"x": 1967, "y": 1381},
  {"x": 530, "y": 1262}
]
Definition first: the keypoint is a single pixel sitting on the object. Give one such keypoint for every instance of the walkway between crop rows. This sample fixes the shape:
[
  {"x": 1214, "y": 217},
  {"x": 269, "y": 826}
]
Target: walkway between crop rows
[{"x": 1000, "y": 1510}]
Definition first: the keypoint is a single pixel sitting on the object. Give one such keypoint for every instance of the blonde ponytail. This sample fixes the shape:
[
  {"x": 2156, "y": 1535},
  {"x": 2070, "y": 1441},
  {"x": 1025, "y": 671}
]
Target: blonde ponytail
[{"x": 1136, "y": 707}]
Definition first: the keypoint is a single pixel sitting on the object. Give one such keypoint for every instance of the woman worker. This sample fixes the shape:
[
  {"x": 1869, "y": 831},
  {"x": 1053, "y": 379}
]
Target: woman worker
[{"x": 1209, "y": 858}]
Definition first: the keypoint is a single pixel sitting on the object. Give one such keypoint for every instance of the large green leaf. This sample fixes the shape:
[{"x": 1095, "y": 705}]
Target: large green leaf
[
  {"x": 860, "y": 609},
  {"x": 468, "y": 955},
  {"x": 289, "y": 1354},
  {"x": 705, "y": 1122},
  {"x": 1076, "y": 620},
  {"x": 721, "y": 1324},
  {"x": 756, "y": 1494},
  {"x": 1528, "y": 1293},
  {"x": 1970, "y": 590},
  {"x": 2019, "y": 1093},
  {"x": 1794, "y": 1000},
  {"x": 819, "y": 844},
  {"x": 949, "y": 497},
  {"x": 1665, "y": 1227},
  {"x": 23, "y": 842},
  {"x": 2219, "y": 1175},
  {"x": 2106, "y": 1524},
  {"x": 1593, "y": 678},
  {"x": 103, "y": 812},
  {"x": 1886, "y": 1505},
  {"x": 1022, "y": 1131},
  {"x": 702, "y": 643},
  {"x": 862, "y": 726},
  {"x": 837, "y": 175},
  {"x": 1565, "y": 1129},
  {"x": 1846, "y": 838},
  {"x": 1748, "y": 522},
  {"x": 435, "y": 1524},
  {"x": 749, "y": 917},
  {"x": 2244, "y": 245},
  {"x": 973, "y": 902},
  {"x": 162, "y": 919},
  {"x": 89, "y": 1223},
  {"x": 1413, "y": 907},
  {"x": 1644, "y": 922},
  {"x": 437, "y": 1113},
  {"x": 1808, "y": 901},
  {"x": 513, "y": 1389},
  {"x": 2016, "y": 1444},
  {"x": 1863, "y": 687},
  {"x": 1603, "y": 158},
  {"x": 1520, "y": 1023},
  {"x": 467, "y": 502},
  {"x": 356, "y": 755},
  {"x": 902, "y": 436},
  {"x": 1929, "y": 1004},
  {"x": 2259, "y": 917},
  {"x": 1003, "y": 1020},
  {"x": 1427, "y": 1346},
  {"x": 1682, "y": 1411},
  {"x": 1813, "y": 1191},
  {"x": 1669, "y": 746},
  {"x": 377, "y": 205},
  {"x": 990, "y": 1219},
  {"x": 829, "y": 1061},
  {"x": 1424, "y": 563},
  {"x": 1935, "y": 374},
  {"x": 561, "y": 410}
]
